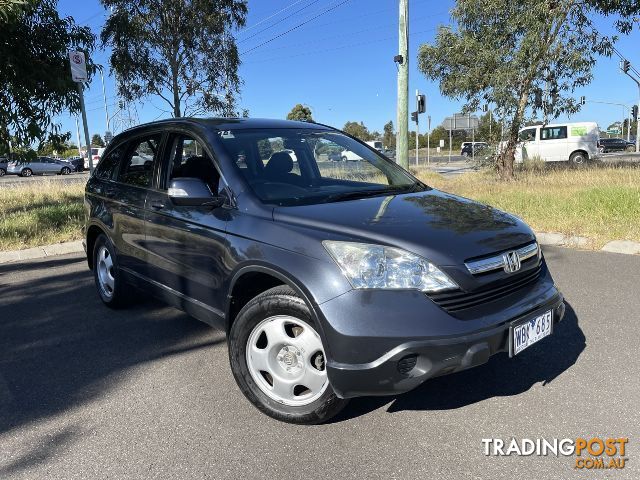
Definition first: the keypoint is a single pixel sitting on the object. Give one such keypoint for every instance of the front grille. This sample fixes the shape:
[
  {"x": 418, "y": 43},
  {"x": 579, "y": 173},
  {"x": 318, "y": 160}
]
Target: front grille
[{"x": 456, "y": 300}]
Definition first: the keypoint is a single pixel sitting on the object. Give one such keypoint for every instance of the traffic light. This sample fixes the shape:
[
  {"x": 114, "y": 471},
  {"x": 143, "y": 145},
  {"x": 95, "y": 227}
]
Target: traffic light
[
  {"x": 422, "y": 103},
  {"x": 634, "y": 112},
  {"x": 414, "y": 117},
  {"x": 626, "y": 65},
  {"x": 583, "y": 100}
]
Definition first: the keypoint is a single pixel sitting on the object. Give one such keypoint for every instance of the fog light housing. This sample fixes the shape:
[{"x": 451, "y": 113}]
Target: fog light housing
[{"x": 406, "y": 364}]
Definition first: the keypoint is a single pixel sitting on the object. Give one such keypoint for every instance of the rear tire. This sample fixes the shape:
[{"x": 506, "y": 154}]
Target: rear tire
[
  {"x": 344, "y": 159},
  {"x": 578, "y": 158},
  {"x": 27, "y": 172},
  {"x": 65, "y": 171},
  {"x": 113, "y": 290},
  {"x": 278, "y": 361},
  {"x": 2, "y": 172}
]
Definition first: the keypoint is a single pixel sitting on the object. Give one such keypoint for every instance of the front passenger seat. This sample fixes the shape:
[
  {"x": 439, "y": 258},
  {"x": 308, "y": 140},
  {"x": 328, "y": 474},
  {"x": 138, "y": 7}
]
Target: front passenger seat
[{"x": 279, "y": 167}]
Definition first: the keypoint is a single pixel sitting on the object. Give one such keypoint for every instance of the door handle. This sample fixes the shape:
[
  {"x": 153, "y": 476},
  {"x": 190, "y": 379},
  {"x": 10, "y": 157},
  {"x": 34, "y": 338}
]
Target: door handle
[{"x": 157, "y": 205}]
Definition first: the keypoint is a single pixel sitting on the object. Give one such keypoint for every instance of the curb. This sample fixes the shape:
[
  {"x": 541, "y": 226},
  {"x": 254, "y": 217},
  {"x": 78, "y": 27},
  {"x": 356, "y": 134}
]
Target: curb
[
  {"x": 41, "y": 252},
  {"x": 625, "y": 247}
]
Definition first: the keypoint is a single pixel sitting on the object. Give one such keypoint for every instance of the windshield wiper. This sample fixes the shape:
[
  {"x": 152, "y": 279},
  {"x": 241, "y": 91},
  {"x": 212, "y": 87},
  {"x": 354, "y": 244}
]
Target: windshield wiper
[{"x": 336, "y": 197}]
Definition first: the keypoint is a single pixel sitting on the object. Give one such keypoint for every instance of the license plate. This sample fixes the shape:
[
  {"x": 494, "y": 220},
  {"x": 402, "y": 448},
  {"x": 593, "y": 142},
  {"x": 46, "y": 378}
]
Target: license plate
[{"x": 526, "y": 334}]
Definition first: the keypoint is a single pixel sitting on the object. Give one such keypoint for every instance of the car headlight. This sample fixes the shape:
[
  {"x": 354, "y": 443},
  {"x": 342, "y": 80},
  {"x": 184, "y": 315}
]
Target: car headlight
[{"x": 377, "y": 266}]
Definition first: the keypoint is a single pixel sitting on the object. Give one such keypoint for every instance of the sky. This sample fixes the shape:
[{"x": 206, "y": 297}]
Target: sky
[{"x": 341, "y": 64}]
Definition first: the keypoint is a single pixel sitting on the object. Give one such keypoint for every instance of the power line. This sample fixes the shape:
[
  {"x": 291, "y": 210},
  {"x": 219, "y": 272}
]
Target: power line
[
  {"x": 296, "y": 27},
  {"x": 358, "y": 44},
  {"x": 347, "y": 34},
  {"x": 271, "y": 16},
  {"x": 279, "y": 21}
]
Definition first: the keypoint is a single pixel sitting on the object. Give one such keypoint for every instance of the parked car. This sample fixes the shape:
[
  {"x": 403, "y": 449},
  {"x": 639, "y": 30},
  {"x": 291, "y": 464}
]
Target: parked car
[
  {"x": 606, "y": 145},
  {"x": 328, "y": 287},
  {"x": 40, "y": 166},
  {"x": 389, "y": 153},
  {"x": 470, "y": 149},
  {"x": 334, "y": 156},
  {"x": 3, "y": 166},
  {"x": 349, "y": 155},
  {"x": 78, "y": 163},
  {"x": 465, "y": 147},
  {"x": 573, "y": 142}
]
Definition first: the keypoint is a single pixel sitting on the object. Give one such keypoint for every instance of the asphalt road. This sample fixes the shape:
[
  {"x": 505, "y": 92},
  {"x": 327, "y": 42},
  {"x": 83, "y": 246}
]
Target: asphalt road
[{"x": 86, "y": 392}]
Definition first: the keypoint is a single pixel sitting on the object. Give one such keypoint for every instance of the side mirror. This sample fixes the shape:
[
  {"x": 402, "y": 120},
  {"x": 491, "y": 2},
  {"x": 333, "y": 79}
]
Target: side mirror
[{"x": 193, "y": 192}]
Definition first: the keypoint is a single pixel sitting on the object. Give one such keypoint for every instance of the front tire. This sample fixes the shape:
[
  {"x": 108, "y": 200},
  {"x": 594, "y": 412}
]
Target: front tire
[
  {"x": 278, "y": 360},
  {"x": 344, "y": 159},
  {"x": 65, "y": 171},
  {"x": 113, "y": 290},
  {"x": 2, "y": 172}
]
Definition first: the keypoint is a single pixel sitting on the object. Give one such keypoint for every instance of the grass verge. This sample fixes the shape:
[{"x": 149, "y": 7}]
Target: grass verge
[
  {"x": 600, "y": 203},
  {"x": 40, "y": 214}
]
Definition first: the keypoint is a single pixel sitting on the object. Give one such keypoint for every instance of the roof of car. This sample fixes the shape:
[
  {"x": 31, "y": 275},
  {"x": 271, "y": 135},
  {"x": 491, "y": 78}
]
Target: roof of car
[{"x": 234, "y": 123}]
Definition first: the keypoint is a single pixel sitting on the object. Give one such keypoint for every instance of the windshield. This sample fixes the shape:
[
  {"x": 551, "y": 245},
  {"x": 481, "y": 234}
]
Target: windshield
[{"x": 302, "y": 166}]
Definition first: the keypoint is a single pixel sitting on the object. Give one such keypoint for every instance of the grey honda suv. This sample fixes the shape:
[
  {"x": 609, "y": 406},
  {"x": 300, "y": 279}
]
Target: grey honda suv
[{"x": 332, "y": 280}]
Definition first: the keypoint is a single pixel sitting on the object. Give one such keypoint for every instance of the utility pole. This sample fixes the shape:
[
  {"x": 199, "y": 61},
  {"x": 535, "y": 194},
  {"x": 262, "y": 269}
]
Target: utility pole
[
  {"x": 87, "y": 141},
  {"x": 402, "y": 59},
  {"x": 428, "y": 135},
  {"x": 78, "y": 137},
  {"x": 626, "y": 66}
]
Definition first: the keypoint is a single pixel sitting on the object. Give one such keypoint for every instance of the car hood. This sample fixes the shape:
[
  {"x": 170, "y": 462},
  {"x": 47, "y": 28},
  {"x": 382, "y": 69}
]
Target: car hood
[{"x": 444, "y": 228}]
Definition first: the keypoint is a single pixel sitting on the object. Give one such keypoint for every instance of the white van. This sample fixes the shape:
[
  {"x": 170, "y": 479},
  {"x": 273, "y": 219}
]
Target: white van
[
  {"x": 377, "y": 144},
  {"x": 574, "y": 142}
]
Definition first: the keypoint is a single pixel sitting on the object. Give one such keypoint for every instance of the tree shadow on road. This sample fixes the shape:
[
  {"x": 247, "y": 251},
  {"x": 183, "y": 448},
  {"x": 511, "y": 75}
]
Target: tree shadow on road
[
  {"x": 60, "y": 347},
  {"x": 501, "y": 376}
]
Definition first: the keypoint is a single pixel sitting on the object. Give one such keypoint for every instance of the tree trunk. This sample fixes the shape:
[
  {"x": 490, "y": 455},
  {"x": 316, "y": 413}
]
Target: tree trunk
[
  {"x": 508, "y": 155},
  {"x": 175, "y": 87}
]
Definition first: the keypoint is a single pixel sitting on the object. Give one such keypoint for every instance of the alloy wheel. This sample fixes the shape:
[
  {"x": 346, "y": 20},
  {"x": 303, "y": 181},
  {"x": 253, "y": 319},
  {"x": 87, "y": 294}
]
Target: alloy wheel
[{"x": 106, "y": 278}]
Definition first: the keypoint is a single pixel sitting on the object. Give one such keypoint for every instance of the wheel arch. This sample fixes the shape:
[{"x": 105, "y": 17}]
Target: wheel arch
[
  {"x": 260, "y": 278},
  {"x": 93, "y": 231}
]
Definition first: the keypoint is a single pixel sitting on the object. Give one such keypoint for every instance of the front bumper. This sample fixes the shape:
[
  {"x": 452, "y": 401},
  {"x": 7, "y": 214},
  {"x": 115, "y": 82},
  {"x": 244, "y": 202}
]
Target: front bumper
[
  {"x": 386, "y": 343},
  {"x": 411, "y": 363}
]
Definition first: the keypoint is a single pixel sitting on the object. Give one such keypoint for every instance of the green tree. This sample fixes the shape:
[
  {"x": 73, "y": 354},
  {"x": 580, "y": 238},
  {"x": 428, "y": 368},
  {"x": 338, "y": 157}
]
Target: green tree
[
  {"x": 300, "y": 113},
  {"x": 518, "y": 49},
  {"x": 357, "y": 130},
  {"x": 34, "y": 71},
  {"x": 389, "y": 135},
  {"x": 489, "y": 129},
  {"x": 96, "y": 140},
  {"x": 182, "y": 51}
]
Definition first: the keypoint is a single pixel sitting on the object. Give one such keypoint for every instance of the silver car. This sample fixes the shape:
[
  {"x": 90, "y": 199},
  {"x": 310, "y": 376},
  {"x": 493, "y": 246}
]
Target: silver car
[{"x": 40, "y": 166}]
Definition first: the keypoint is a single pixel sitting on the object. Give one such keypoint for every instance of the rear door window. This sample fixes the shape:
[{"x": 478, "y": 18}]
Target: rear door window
[
  {"x": 108, "y": 166},
  {"x": 553, "y": 133},
  {"x": 137, "y": 164}
]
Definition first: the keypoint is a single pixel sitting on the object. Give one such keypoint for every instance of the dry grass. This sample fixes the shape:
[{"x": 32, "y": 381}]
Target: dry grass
[
  {"x": 41, "y": 213},
  {"x": 602, "y": 204},
  {"x": 599, "y": 203}
]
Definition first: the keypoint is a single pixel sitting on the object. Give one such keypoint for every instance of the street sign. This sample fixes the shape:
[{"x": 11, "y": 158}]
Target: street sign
[
  {"x": 460, "y": 121},
  {"x": 441, "y": 143},
  {"x": 614, "y": 131},
  {"x": 78, "y": 66}
]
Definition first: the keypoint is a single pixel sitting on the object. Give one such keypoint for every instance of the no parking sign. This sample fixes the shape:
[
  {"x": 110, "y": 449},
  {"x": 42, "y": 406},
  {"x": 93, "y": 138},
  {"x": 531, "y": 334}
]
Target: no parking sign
[{"x": 78, "y": 66}]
